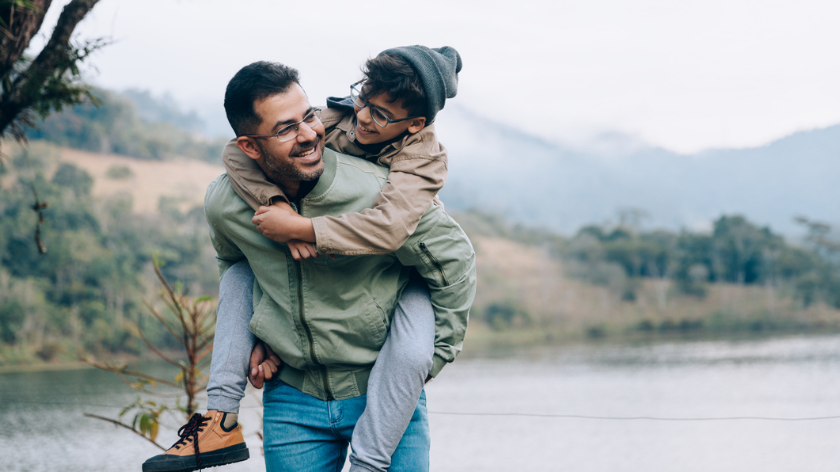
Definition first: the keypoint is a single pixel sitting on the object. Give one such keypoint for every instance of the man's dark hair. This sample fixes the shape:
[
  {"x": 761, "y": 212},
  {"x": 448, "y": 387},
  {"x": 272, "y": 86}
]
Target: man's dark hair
[
  {"x": 392, "y": 74},
  {"x": 252, "y": 83}
]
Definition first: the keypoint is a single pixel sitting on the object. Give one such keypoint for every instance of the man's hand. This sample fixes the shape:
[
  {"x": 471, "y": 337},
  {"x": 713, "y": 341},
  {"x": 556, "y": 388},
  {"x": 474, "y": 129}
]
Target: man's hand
[
  {"x": 264, "y": 364},
  {"x": 275, "y": 221}
]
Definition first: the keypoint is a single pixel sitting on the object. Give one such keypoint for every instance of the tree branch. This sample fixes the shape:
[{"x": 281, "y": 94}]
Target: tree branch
[
  {"x": 52, "y": 60},
  {"x": 118, "y": 423},
  {"x": 21, "y": 24}
]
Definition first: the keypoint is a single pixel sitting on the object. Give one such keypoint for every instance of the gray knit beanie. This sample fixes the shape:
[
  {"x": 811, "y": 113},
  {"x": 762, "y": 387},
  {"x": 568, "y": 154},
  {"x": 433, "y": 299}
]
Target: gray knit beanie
[{"x": 438, "y": 70}]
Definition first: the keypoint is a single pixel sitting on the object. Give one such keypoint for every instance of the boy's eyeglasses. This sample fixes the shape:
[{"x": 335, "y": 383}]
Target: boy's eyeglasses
[
  {"x": 290, "y": 132},
  {"x": 376, "y": 113}
]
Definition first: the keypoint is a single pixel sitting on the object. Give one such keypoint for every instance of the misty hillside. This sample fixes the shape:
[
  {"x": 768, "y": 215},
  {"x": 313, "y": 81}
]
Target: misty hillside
[
  {"x": 495, "y": 168},
  {"x": 498, "y": 169}
]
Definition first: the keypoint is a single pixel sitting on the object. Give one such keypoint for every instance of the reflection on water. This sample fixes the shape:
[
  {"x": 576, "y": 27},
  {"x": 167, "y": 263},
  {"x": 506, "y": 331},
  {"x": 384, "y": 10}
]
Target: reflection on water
[{"x": 787, "y": 377}]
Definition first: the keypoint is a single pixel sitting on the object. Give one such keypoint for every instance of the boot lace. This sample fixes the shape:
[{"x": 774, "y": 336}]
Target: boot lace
[{"x": 189, "y": 432}]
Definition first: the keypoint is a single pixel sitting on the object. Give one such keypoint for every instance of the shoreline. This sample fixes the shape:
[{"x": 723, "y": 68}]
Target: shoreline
[{"x": 483, "y": 342}]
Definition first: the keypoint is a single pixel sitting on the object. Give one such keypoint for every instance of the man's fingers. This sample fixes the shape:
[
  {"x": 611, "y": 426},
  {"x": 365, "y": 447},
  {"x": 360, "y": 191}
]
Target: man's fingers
[
  {"x": 272, "y": 363},
  {"x": 269, "y": 369},
  {"x": 258, "y": 354},
  {"x": 258, "y": 380}
]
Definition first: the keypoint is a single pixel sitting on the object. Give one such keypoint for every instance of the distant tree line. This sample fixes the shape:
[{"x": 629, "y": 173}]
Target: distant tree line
[
  {"x": 735, "y": 252},
  {"x": 113, "y": 123}
]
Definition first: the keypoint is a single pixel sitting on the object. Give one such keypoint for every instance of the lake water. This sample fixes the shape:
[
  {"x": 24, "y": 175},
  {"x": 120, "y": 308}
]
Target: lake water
[{"x": 793, "y": 377}]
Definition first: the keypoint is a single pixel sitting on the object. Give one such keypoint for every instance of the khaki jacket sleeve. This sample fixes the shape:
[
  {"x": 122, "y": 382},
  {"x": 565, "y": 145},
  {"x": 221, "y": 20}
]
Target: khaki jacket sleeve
[
  {"x": 444, "y": 257},
  {"x": 413, "y": 183},
  {"x": 330, "y": 117},
  {"x": 247, "y": 179}
]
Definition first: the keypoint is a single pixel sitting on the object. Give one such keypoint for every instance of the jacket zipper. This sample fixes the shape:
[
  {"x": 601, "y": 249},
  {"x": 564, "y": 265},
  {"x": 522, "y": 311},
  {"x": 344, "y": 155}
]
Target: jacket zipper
[
  {"x": 306, "y": 326},
  {"x": 434, "y": 262}
]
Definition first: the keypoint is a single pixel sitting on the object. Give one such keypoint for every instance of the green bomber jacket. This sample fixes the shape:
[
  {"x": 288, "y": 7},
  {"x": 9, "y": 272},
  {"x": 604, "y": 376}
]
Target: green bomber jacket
[{"x": 328, "y": 318}]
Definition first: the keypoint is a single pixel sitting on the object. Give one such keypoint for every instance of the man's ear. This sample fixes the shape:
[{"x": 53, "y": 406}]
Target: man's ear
[
  {"x": 249, "y": 147},
  {"x": 417, "y": 124}
]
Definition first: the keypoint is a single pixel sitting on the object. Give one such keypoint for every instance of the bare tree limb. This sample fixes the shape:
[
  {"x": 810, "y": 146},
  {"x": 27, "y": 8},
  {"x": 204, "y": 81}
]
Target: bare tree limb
[{"x": 121, "y": 424}]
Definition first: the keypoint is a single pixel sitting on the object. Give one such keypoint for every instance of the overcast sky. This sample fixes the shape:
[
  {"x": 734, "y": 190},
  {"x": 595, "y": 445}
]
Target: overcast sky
[{"x": 685, "y": 75}]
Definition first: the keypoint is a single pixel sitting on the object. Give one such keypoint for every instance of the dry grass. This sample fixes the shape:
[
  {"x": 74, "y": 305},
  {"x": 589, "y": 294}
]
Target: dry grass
[{"x": 183, "y": 180}]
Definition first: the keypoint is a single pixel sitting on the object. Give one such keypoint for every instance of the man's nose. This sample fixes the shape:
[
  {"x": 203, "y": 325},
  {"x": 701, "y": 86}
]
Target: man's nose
[{"x": 306, "y": 133}]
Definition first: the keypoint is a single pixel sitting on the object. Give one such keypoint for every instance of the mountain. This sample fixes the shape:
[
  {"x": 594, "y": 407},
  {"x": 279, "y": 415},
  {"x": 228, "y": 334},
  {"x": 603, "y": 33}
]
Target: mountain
[
  {"x": 559, "y": 186},
  {"x": 495, "y": 168}
]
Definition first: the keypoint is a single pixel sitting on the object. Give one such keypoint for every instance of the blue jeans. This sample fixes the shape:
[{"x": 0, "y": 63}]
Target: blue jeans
[{"x": 303, "y": 433}]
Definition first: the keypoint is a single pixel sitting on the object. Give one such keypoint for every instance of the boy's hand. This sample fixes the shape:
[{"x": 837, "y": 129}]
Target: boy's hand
[
  {"x": 264, "y": 364},
  {"x": 274, "y": 222},
  {"x": 302, "y": 250}
]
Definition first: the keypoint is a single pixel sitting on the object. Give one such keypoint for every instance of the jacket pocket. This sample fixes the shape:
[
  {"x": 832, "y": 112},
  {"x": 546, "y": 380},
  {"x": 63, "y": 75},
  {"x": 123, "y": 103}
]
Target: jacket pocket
[
  {"x": 435, "y": 264},
  {"x": 377, "y": 320}
]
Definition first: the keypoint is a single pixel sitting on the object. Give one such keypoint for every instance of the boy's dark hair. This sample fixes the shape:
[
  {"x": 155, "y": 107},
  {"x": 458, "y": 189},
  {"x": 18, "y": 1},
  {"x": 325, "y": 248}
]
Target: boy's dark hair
[
  {"x": 254, "y": 82},
  {"x": 392, "y": 74}
]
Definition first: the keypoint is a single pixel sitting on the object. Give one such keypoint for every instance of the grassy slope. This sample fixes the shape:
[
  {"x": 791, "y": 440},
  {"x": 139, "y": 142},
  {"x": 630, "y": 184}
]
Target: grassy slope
[
  {"x": 555, "y": 306},
  {"x": 183, "y": 180}
]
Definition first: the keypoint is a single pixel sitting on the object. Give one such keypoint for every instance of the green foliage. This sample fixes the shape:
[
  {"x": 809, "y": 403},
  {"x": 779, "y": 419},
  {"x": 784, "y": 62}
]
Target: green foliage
[
  {"x": 87, "y": 291},
  {"x": 73, "y": 178},
  {"x": 111, "y": 124},
  {"x": 118, "y": 172},
  {"x": 501, "y": 315},
  {"x": 736, "y": 251}
]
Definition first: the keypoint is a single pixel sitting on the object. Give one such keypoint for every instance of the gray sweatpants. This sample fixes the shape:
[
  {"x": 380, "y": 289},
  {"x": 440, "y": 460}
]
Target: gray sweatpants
[{"x": 395, "y": 383}]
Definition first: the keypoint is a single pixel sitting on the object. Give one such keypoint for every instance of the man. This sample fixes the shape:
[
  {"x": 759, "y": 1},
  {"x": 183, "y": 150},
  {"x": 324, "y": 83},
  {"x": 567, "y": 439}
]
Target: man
[{"x": 327, "y": 318}]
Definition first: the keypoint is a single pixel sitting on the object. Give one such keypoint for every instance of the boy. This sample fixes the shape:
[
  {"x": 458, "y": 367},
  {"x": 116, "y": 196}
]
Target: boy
[{"x": 402, "y": 92}]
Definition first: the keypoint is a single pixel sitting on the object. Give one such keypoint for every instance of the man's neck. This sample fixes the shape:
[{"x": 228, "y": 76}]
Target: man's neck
[{"x": 295, "y": 190}]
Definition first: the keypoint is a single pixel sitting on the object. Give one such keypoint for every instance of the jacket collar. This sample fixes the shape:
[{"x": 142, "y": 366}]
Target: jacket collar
[{"x": 326, "y": 180}]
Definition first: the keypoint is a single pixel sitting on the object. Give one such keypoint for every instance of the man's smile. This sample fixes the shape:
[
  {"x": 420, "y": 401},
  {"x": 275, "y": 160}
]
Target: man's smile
[{"x": 310, "y": 155}]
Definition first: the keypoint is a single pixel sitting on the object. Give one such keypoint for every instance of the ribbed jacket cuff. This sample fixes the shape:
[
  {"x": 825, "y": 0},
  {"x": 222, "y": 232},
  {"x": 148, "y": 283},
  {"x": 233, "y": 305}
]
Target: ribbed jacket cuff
[{"x": 437, "y": 365}]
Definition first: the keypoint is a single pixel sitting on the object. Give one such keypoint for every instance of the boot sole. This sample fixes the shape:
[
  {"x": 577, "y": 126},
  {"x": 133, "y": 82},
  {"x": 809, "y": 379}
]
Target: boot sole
[{"x": 224, "y": 456}]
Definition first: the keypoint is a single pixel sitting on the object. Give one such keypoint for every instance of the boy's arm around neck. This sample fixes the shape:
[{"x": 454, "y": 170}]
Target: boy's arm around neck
[
  {"x": 418, "y": 172},
  {"x": 247, "y": 179}
]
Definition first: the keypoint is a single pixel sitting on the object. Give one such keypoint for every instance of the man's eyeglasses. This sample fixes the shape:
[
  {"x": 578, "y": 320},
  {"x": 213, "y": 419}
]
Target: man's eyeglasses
[
  {"x": 379, "y": 116},
  {"x": 290, "y": 132}
]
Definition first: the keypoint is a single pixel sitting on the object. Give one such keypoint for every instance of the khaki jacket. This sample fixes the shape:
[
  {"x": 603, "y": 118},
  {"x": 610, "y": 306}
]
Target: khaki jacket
[
  {"x": 418, "y": 166},
  {"x": 328, "y": 318}
]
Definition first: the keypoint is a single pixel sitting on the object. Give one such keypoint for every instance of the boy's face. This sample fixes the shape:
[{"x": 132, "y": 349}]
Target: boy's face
[{"x": 369, "y": 132}]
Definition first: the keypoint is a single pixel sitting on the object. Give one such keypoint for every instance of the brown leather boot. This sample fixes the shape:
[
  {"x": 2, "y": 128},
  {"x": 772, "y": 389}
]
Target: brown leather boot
[{"x": 204, "y": 443}]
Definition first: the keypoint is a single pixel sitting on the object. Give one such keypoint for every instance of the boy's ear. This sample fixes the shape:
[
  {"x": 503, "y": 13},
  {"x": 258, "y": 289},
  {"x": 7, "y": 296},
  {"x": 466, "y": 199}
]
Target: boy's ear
[
  {"x": 249, "y": 147},
  {"x": 417, "y": 124}
]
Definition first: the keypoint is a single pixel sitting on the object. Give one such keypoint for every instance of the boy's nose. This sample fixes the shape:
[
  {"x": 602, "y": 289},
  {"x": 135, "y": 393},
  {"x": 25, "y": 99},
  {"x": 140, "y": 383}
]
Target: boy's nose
[{"x": 363, "y": 115}]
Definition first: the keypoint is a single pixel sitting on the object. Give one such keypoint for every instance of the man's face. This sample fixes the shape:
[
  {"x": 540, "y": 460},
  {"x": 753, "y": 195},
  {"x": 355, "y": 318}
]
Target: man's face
[
  {"x": 297, "y": 160},
  {"x": 368, "y": 132}
]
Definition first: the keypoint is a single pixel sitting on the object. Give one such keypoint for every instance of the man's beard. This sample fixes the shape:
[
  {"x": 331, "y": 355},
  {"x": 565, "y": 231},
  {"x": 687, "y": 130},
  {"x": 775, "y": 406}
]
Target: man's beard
[{"x": 281, "y": 169}]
